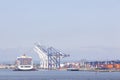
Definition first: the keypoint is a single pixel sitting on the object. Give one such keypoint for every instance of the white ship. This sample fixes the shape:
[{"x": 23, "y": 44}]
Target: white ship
[{"x": 24, "y": 63}]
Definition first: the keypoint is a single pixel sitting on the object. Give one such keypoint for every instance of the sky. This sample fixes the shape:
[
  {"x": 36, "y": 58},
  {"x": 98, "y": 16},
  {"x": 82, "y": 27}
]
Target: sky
[{"x": 82, "y": 28}]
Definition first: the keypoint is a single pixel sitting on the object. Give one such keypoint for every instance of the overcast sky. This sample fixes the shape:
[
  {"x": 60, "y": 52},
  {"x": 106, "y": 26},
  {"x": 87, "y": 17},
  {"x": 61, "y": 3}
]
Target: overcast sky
[{"x": 82, "y": 27}]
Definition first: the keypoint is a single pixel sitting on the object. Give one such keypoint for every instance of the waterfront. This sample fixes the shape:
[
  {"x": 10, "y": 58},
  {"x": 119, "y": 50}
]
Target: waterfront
[{"x": 6, "y": 74}]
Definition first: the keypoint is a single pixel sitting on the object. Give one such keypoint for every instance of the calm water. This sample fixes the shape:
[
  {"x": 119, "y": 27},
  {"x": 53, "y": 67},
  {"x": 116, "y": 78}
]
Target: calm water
[{"x": 57, "y": 75}]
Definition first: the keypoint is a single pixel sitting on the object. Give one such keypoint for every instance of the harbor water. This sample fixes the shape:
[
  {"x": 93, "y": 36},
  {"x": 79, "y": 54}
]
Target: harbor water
[{"x": 6, "y": 74}]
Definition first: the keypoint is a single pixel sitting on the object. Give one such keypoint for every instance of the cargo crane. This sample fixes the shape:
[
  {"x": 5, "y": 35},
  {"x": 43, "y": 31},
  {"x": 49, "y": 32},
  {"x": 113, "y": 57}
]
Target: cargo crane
[
  {"x": 50, "y": 57},
  {"x": 42, "y": 55},
  {"x": 54, "y": 58}
]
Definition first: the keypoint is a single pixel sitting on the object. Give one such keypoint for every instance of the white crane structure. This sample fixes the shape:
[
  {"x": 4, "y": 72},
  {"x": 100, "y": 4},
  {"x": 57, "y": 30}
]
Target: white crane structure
[{"x": 42, "y": 55}]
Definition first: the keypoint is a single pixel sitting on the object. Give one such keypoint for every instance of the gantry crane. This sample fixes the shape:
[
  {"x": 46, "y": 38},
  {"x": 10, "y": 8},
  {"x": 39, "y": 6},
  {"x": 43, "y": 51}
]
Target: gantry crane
[{"x": 50, "y": 58}]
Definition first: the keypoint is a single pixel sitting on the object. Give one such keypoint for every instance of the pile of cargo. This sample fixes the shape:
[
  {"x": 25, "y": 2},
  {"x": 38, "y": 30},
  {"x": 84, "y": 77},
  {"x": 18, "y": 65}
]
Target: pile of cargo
[
  {"x": 105, "y": 64},
  {"x": 111, "y": 66},
  {"x": 71, "y": 65},
  {"x": 93, "y": 65}
]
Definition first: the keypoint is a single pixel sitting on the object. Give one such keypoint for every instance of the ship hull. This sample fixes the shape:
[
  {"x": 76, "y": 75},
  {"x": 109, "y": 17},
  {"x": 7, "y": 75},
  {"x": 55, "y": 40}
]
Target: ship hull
[
  {"x": 25, "y": 69},
  {"x": 72, "y": 69}
]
